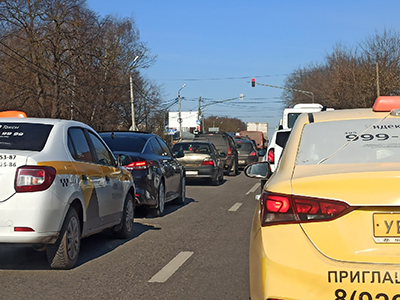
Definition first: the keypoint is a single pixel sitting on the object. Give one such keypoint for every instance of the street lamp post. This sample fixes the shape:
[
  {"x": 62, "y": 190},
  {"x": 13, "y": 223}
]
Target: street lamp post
[
  {"x": 132, "y": 97},
  {"x": 180, "y": 112}
]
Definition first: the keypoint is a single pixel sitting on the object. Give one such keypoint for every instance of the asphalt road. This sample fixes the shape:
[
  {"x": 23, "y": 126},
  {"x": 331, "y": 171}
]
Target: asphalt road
[{"x": 195, "y": 251}]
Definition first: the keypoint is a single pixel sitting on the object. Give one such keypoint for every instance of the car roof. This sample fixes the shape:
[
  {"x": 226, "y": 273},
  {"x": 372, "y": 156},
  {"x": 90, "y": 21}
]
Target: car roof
[{"x": 125, "y": 134}]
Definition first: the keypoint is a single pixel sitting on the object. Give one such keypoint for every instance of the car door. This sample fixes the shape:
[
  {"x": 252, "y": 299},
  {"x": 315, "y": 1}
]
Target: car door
[
  {"x": 172, "y": 168},
  {"x": 90, "y": 176},
  {"x": 112, "y": 198}
]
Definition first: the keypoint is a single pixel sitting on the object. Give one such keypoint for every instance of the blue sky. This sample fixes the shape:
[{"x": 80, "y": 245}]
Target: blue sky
[{"x": 215, "y": 47}]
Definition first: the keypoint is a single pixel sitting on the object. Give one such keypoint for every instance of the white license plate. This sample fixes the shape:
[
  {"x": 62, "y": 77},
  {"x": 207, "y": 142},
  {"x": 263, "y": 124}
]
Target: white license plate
[
  {"x": 242, "y": 162},
  {"x": 192, "y": 172},
  {"x": 386, "y": 227}
]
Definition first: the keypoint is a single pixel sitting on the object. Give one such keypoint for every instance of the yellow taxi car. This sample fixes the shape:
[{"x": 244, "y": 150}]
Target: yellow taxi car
[
  {"x": 59, "y": 183},
  {"x": 328, "y": 223}
]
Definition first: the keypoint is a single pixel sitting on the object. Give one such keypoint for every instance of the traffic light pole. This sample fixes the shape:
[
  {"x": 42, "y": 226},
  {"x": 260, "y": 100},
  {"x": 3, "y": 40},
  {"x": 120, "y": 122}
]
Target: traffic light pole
[{"x": 307, "y": 93}]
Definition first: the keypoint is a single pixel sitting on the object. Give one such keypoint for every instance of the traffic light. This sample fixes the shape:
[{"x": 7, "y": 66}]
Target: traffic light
[{"x": 253, "y": 82}]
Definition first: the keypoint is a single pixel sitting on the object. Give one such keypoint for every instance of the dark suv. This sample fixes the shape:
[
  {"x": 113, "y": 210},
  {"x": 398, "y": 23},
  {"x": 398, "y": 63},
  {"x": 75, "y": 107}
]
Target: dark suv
[{"x": 224, "y": 144}]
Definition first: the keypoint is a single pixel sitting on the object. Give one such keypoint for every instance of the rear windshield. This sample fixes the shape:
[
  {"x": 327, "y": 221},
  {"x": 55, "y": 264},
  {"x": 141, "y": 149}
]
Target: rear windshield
[
  {"x": 245, "y": 146},
  {"x": 124, "y": 143},
  {"x": 24, "y": 136},
  {"x": 192, "y": 148},
  {"x": 292, "y": 117},
  {"x": 350, "y": 141},
  {"x": 281, "y": 138},
  {"x": 220, "y": 142}
]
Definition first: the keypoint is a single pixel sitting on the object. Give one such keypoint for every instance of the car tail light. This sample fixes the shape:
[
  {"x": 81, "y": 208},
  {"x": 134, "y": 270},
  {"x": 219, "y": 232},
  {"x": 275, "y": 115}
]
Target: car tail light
[
  {"x": 34, "y": 178},
  {"x": 253, "y": 153},
  {"x": 271, "y": 155},
  {"x": 23, "y": 229},
  {"x": 207, "y": 162},
  {"x": 138, "y": 165},
  {"x": 285, "y": 209},
  {"x": 229, "y": 151}
]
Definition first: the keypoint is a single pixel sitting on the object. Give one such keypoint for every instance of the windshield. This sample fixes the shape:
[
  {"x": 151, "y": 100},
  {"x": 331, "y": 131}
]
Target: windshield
[{"x": 350, "y": 141}]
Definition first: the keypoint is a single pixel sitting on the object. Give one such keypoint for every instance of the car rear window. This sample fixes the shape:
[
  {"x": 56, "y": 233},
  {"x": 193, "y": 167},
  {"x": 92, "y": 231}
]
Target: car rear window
[
  {"x": 24, "y": 136},
  {"x": 191, "y": 148},
  {"x": 350, "y": 141},
  {"x": 281, "y": 138},
  {"x": 245, "y": 146},
  {"x": 124, "y": 143},
  {"x": 220, "y": 142}
]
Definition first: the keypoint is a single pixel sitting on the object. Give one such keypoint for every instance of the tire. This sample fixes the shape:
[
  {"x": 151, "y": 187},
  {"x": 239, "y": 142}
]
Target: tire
[
  {"x": 64, "y": 253},
  {"x": 124, "y": 230},
  {"x": 159, "y": 210},
  {"x": 182, "y": 192}
]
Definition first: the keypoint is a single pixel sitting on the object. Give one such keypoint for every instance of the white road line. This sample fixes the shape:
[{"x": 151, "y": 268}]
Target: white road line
[
  {"x": 235, "y": 207},
  {"x": 253, "y": 189},
  {"x": 171, "y": 267}
]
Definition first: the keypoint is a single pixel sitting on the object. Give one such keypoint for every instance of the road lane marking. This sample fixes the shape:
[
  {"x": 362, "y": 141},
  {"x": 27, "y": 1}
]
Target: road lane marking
[
  {"x": 253, "y": 189},
  {"x": 171, "y": 267},
  {"x": 235, "y": 207}
]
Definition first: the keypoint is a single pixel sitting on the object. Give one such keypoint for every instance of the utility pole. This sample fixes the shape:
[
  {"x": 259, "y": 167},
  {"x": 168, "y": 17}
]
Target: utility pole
[
  {"x": 199, "y": 113},
  {"x": 132, "y": 103},
  {"x": 378, "y": 93},
  {"x": 180, "y": 112}
]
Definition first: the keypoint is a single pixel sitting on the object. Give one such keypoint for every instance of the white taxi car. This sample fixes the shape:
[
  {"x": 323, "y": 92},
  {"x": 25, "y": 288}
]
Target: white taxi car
[
  {"x": 328, "y": 223},
  {"x": 60, "y": 182}
]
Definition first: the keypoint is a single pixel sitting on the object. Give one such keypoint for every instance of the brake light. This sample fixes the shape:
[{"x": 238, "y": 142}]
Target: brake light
[
  {"x": 207, "y": 162},
  {"x": 286, "y": 209},
  {"x": 253, "y": 153},
  {"x": 271, "y": 155},
  {"x": 138, "y": 165},
  {"x": 229, "y": 151},
  {"x": 33, "y": 178}
]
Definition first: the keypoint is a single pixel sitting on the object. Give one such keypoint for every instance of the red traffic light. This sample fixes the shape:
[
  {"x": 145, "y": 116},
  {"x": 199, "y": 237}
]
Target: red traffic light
[{"x": 253, "y": 82}]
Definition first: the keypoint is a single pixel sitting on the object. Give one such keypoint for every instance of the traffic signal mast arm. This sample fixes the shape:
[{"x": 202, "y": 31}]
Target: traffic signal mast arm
[{"x": 307, "y": 93}]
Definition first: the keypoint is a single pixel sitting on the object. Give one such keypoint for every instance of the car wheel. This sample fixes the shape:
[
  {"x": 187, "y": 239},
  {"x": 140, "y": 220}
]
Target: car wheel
[
  {"x": 64, "y": 253},
  {"x": 124, "y": 230},
  {"x": 159, "y": 210},
  {"x": 182, "y": 192}
]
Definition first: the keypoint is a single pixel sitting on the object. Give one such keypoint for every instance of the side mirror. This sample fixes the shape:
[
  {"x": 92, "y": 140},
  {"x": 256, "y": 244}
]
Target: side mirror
[
  {"x": 262, "y": 152},
  {"x": 124, "y": 160},
  {"x": 222, "y": 154},
  {"x": 260, "y": 170}
]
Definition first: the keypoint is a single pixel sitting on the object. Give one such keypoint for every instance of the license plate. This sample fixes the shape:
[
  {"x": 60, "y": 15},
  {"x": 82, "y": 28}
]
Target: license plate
[
  {"x": 387, "y": 228},
  {"x": 192, "y": 172},
  {"x": 242, "y": 162}
]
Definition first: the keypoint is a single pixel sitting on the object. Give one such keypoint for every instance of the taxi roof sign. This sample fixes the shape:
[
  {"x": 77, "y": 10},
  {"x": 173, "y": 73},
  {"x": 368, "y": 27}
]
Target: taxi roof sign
[
  {"x": 386, "y": 103},
  {"x": 12, "y": 114}
]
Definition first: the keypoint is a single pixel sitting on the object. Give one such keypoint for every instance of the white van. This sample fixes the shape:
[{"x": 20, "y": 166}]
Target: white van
[{"x": 290, "y": 114}]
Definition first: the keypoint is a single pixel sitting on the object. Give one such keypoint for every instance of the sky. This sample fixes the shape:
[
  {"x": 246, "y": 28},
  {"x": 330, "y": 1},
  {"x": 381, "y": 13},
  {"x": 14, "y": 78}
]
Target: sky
[{"x": 216, "y": 47}]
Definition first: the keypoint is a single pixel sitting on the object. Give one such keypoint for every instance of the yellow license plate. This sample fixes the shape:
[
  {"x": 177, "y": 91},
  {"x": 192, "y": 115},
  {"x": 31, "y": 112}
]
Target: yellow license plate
[{"x": 387, "y": 225}]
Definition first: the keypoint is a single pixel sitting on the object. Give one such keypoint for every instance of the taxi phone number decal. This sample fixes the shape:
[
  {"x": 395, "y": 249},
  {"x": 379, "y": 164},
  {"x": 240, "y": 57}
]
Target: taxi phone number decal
[
  {"x": 8, "y": 160},
  {"x": 366, "y": 137},
  {"x": 355, "y": 295}
]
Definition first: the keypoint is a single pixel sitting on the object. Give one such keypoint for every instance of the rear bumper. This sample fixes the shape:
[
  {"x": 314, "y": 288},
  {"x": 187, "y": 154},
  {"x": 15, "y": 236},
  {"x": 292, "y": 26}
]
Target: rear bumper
[
  {"x": 276, "y": 263},
  {"x": 201, "y": 172},
  {"x": 244, "y": 161}
]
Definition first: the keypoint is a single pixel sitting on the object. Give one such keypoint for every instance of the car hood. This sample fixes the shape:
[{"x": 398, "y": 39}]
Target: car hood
[{"x": 371, "y": 190}]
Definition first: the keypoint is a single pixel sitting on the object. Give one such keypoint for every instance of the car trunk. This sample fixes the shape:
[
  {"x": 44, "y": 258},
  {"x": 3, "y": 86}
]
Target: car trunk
[
  {"x": 371, "y": 232},
  {"x": 193, "y": 159}
]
